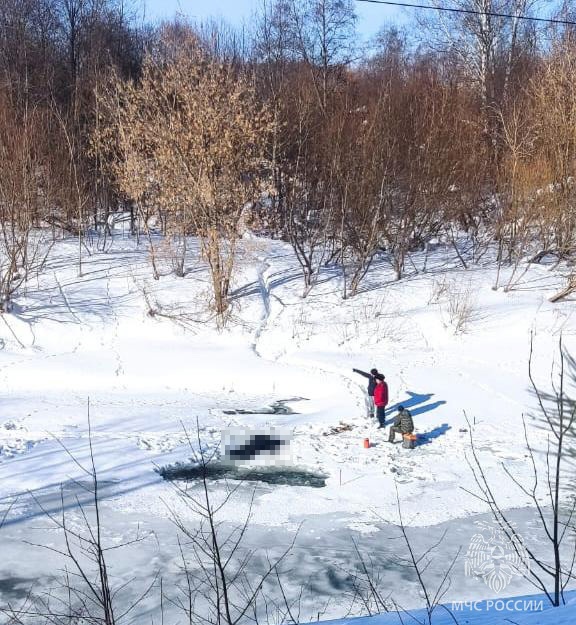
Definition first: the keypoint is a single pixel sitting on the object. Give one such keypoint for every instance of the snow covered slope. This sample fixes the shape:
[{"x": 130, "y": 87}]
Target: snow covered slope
[{"x": 70, "y": 338}]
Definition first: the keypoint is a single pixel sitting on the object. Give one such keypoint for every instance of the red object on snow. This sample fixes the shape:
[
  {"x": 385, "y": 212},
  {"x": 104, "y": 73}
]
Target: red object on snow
[
  {"x": 381, "y": 394},
  {"x": 366, "y": 443}
]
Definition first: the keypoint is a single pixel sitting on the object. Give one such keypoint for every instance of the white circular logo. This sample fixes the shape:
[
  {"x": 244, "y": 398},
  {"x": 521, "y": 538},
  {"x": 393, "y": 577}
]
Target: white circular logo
[{"x": 496, "y": 557}]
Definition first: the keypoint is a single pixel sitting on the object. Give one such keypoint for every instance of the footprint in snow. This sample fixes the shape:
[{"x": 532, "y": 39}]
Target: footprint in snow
[
  {"x": 19, "y": 446},
  {"x": 161, "y": 444}
]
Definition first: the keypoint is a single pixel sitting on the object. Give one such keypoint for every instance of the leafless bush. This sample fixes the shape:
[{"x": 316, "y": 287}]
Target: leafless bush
[
  {"x": 461, "y": 307},
  {"x": 302, "y": 325},
  {"x": 456, "y": 301},
  {"x": 218, "y": 585},
  {"x": 568, "y": 289},
  {"x": 190, "y": 138},
  {"x": 439, "y": 291},
  {"x": 420, "y": 563},
  {"x": 188, "y": 315},
  {"x": 373, "y": 317},
  {"x": 550, "y": 489},
  {"x": 367, "y": 584},
  {"x": 24, "y": 197},
  {"x": 87, "y": 594}
]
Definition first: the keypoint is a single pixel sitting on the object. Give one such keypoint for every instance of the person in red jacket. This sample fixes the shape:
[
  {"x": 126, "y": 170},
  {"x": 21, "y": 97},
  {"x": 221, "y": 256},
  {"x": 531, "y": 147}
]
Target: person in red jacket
[{"x": 380, "y": 399}]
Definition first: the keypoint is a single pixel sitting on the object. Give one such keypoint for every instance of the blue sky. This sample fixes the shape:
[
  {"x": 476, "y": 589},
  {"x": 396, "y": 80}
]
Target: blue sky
[{"x": 370, "y": 16}]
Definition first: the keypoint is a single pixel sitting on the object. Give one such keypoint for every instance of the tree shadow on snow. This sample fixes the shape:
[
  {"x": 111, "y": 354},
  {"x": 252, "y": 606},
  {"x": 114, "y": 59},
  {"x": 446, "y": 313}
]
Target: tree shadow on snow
[
  {"x": 274, "y": 281},
  {"x": 281, "y": 278}
]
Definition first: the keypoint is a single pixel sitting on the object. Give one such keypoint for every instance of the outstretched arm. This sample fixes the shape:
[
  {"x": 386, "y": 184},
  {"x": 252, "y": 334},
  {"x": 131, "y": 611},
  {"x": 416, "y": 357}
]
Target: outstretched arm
[{"x": 366, "y": 375}]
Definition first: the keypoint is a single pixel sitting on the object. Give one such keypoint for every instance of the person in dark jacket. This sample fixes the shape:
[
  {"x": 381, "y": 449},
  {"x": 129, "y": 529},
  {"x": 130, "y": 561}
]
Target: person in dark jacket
[
  {"x": 380, "y": 399},
  {"x": 371, "y": 386},
  {"x": 403, "y": 424}
]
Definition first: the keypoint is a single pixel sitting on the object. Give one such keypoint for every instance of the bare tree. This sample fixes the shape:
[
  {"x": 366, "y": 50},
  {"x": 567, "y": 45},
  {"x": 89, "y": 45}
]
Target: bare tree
[
  {"x": 554, "y": 110},
  {"x": 322, "y": 32},
  {"x": 24, "y": 197},
  {"x": 550, "y": 489},
  {"x": 308, "y": 180},
  {"x": 87, "y": 595},
  {"x": 486, "y": 46},
  {"x": 190, "y": 137},
  {"x": 367, "y": 583}
]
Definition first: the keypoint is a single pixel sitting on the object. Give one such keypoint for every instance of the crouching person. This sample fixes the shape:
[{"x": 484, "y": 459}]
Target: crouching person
[{"x": 403, "y": 424}]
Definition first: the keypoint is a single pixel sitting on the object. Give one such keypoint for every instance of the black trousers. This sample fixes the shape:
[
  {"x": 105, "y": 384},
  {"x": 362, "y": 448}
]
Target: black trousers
[{"x": 380, "y": 412}]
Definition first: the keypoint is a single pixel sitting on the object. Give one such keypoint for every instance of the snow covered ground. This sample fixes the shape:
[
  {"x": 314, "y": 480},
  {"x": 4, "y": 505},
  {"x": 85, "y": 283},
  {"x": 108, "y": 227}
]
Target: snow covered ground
[{"x": 151, "y": 379}]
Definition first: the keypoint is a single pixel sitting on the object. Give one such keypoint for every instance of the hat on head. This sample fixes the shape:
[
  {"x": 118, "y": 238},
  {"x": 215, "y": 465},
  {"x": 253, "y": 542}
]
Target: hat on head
[
  {"x": 379, "y": 376},
  {"x": 400, "y": 408},
  {"x": 374, "y": 371}
]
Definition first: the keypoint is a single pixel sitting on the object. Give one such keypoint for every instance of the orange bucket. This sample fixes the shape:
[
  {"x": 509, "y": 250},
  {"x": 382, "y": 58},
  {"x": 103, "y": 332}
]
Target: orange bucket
[
  {"x": 366, "y": 443},
  {"x": 409, "y": 441}
]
